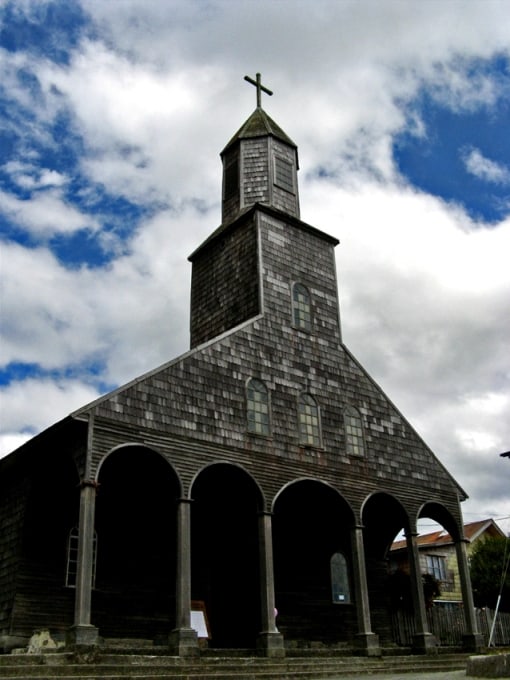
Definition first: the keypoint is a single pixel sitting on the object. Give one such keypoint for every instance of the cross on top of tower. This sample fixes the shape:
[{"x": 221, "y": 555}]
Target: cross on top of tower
[{"x": 259, "y": 86}]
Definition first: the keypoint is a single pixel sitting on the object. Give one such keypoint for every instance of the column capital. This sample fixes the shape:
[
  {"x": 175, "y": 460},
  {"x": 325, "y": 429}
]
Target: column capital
[
  {"x": 464, "y": 540},
  {"x": 184, "y": 500},
  {"x": 411, "y": 534},
  {"x": 89, "y": 483}
]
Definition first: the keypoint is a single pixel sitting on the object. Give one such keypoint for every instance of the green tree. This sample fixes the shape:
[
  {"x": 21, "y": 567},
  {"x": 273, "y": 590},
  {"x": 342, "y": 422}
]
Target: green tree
[{"x": 490, "y": 572}]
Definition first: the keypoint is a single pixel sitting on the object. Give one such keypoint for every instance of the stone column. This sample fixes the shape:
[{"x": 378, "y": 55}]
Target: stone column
[
  {"x": 183, "y": 639},
  {"x": 270, "y": 640},
  {"x": 423, "y": 641},
  {"x": 472, "y": 640},
  {"x": 366, "y": 642},
  {"x": 82, "y": 632}
]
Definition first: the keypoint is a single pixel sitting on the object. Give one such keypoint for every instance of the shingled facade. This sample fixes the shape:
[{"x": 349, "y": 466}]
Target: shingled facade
[{"x": 263, "y": 470}]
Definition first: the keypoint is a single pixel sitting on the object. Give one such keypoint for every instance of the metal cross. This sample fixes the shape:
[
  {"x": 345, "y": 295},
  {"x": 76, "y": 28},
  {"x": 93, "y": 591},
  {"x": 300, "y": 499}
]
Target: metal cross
[{"x": 259, "y": 86}]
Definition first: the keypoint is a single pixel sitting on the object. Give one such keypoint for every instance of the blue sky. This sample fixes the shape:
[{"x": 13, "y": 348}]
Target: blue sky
[
  {"x": 112, "y": 116},
  {"x": 464, "y": 155}
]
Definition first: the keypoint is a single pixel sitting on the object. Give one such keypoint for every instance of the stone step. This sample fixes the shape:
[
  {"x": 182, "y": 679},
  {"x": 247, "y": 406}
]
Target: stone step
[
  {"x": 308, "y": 674},
  {"x": 140, "y": 667}
]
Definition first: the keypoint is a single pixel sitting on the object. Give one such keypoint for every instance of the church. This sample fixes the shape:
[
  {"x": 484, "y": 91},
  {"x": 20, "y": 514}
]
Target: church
[{"x": 244, "y": 495}]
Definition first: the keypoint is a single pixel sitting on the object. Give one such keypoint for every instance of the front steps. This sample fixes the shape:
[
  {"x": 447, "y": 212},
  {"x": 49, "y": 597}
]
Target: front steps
[{"x": 98, "y": 665}]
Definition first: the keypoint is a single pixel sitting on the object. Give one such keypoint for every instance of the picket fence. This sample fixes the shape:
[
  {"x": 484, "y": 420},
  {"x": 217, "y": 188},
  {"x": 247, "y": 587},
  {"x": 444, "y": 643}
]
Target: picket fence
[{"x": 448, "y": 626}]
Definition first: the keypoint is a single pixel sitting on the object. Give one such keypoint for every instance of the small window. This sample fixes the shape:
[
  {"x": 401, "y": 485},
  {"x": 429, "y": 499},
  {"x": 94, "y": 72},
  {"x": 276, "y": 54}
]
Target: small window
[
  {"x": 257, "y": 399},
  {"x": 309, "y": 423},
  {"x": 353, "y": 433},
  {"x": 436, "y": 566},
  {"x": 231, "y": 180},
  {"x": 72, "y": 559},
  {"x": 340, "y": 590},
  {"x": 283, "y": 174},
  {"x": 301, "y": 307}
]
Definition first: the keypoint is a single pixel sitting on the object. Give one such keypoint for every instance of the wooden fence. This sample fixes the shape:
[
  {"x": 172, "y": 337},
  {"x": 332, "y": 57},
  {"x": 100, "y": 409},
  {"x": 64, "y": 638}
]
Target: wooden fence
[{"x": 448, "y": 626}]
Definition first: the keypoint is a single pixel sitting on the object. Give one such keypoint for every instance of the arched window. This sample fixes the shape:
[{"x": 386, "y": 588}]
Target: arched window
[
  {"x": 340, "y": 590},
  {"x": 353, "y": 432},
  {"x": 257, "y": 402},
  {"x": 72, "y": 559},
  {"x": 301, "y": 307},
  {"x": 309, "y": 422}
]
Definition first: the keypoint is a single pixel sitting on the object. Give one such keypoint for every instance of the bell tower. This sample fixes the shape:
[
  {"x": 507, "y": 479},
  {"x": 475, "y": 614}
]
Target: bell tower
[{"x": 260, "y": 165}]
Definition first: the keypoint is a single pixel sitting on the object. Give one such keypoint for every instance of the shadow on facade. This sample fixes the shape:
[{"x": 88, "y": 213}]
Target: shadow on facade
[
  {"x": 383, "y": 518},
  {"x": 224, "y": 554},
  {"x": 134, "y": 593},
  {"x": 311, "y": 524},
  {"x": 51, "y": 514}
]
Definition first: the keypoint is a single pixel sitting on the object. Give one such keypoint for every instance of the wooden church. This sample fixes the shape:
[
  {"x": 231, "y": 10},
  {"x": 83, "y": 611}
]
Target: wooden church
[{"x": 245, "y": 494}]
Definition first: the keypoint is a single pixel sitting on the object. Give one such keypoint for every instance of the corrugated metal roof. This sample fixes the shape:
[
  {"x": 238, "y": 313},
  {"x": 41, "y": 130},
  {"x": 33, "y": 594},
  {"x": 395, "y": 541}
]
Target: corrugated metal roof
[{"x": 442, "y": 537}]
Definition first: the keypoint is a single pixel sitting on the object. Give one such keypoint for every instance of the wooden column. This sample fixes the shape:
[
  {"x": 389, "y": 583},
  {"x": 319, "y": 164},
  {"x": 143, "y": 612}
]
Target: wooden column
[
  {"x": 183, "y": 639},
  {"x": 270, "y": 640},
  {"x": 83, "y": 632},
  {"x": 366, "y": 641},
  {"x": 423, "y": 641},
  {"x": 472, "y": 640}
]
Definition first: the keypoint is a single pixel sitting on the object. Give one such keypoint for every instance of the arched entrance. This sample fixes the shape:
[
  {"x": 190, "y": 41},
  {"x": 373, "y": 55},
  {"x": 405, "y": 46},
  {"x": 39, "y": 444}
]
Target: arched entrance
[
  {"x": 134, "y": 592},
  {"x": 447, "y": 570},
  {"x": 225, "y": 554},
  {"x": 383, "y": 517},
  {"x": 440, "y": 566},
  {"x": 314, "y": 586}
]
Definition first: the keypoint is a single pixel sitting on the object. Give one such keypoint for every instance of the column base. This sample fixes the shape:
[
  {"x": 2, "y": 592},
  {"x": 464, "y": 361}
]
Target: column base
[
  {"x": 183, "y": 642},
  {"x": 473, "y": 642},
  {"x": 424, "y": 643},
  {"x": 367, "y": 644},
  {"x": 83, "y": 635},
  {"x": 271, "y": 645}
]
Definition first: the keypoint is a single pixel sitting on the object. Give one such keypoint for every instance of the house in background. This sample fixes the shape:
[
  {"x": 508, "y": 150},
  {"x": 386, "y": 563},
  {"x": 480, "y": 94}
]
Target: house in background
[{"x": 437, "y": 556}]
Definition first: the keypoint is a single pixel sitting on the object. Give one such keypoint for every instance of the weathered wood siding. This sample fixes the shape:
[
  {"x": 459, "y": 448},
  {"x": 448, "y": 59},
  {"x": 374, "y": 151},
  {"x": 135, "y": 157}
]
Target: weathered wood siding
[
  {"x": 12, "y": 510},
  {"x": 281, "y": 199},
  {"x": 194, "y": 408},
  {"x": 225, "y": 284}
]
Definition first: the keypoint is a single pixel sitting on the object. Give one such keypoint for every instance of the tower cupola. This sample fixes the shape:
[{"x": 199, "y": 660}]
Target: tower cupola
[{"x": 260, "y": 165}]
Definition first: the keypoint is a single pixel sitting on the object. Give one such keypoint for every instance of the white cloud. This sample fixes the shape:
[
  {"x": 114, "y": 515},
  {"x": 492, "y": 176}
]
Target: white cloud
[
  {"x": 483, "y": 168},
  {"x": 45, "y": 214},
  {"x": 29, "y": 176},
  {"x": 51, "y": 178},
  {"x": 131, "y": 315},
  {"x": 136, "y": 120},
  {"x": 424, "y": 291},
  {"x": 10, "y": 442},
  {"x": 425, "y": 303},
  {"x": 52, "y": 400}
]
